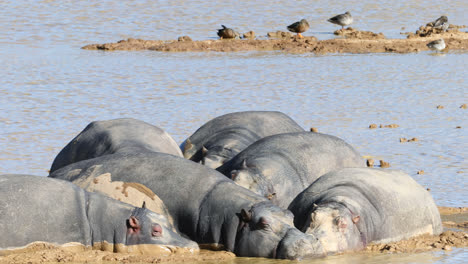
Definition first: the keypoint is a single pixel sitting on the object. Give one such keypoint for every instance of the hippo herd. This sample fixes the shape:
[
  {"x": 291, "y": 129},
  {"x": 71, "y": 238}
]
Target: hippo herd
[{"x": 253, "y": 183}]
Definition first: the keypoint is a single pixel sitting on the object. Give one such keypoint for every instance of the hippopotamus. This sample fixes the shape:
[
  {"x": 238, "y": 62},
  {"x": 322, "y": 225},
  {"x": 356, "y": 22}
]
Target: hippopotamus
[
  {"x": 196, "y": 196},
  {"x": 122, "y": 135},
  {"x": 41, "y": 209},
  {"x": 279, "y": 167},
  {"x": 349, "y": 208},
  {"x": 222, "y": 138}
]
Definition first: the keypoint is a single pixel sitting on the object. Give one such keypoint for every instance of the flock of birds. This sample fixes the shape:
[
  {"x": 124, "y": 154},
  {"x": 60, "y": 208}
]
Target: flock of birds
[{"x": 343, "y": 20}]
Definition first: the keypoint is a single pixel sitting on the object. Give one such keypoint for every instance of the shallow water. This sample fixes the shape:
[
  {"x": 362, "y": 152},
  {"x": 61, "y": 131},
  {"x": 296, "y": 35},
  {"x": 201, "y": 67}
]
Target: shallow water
[{"x": 50, "y": 89}]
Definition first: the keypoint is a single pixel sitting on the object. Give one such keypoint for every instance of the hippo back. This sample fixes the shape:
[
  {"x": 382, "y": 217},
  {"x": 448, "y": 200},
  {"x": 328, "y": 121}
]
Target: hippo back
[
  {"x": 30, "y": 211},
  {"x": 123, "y": 135},
  {"x": 288, "y": 163},
  {"x": 233, "y": 132}
]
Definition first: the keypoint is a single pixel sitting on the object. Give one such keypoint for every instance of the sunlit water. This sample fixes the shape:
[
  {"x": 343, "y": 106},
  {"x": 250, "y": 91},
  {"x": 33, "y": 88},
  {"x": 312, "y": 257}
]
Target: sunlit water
[{"x": 50, "y": 89}]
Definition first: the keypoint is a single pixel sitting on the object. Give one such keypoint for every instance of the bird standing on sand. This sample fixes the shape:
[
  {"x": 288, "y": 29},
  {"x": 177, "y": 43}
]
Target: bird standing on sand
[
  {"x": 342, "y": 20},
  {"x": 299, "y": 27},
  {"x": 227, "y": 33},
  {"x": 441, "y": 23},
  {"x": 436, "y": 45}
]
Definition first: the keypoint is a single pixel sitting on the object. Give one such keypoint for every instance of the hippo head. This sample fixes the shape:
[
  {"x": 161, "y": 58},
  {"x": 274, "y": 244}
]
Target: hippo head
[
  {"x": 152, "y": 233},
  {"x": 266, "y": 230},
  {"x": 335, "y": 226},
  {"x": 252, "y": 177},
  {"x": 215, "y": 156}
]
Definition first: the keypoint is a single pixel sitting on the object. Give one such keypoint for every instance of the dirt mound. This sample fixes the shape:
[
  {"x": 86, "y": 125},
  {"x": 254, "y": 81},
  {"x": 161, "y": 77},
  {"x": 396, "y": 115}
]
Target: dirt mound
[
  {"x": 360, "y": 43},
  {"x": 429, "y": 31},
  {"x": 352, "y": 33}
]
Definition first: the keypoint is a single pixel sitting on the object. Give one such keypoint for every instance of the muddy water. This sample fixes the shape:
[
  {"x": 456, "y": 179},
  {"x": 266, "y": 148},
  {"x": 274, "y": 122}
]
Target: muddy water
[{"x": 50, "y": 89}]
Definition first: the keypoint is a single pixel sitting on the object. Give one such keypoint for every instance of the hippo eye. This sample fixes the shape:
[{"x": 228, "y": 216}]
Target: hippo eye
[
  {"x": 263, "y": 223},
  {"x": 156, "y": 231}
]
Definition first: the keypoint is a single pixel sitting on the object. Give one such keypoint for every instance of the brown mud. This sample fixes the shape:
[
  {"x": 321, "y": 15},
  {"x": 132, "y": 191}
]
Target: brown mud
[
  {"x": 45, "y": 253},
  {"x": 354, "y": 42}
]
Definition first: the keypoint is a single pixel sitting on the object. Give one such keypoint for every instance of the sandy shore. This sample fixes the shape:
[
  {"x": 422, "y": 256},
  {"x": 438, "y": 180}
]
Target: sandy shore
[
  {"x": 353, "y": 41},
  {"x": 452, "y": 217}
]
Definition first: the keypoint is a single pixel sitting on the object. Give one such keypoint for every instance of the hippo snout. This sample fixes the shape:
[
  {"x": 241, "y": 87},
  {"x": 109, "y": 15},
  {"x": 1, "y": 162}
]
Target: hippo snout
[{"x": 297, "y": 245}]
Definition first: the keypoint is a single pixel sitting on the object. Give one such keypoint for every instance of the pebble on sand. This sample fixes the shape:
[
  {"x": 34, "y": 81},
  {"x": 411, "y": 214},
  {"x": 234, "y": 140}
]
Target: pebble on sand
[
  {"x": 184, "y": 38},
  {"x": 249, "y": 35},
  {"x": 384, "y": 164}
]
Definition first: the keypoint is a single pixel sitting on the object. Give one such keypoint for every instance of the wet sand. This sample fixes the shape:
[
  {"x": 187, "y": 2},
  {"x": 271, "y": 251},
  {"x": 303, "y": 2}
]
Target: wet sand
[
  {"x": 44, "y": 253},
  {"x": 354, "y": 41}
]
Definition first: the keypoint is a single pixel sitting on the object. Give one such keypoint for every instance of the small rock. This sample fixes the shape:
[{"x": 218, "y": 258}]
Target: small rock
[
  {"x": 420, "y": 172},
  {"x": 313, "y": 129},
  {"x": 372, "y": 126},
  {"x": 440, "y": 107},
  {"x": 403, "y": 140},
  {"x": 384, "y": 164},
  {"x": 463, "y": 106},
  {"x": 447, "y": 248},
  {"x": 184, "y": 38},
  {"x": 249, "y": 35},
  {"x": 370, "y": 163}
]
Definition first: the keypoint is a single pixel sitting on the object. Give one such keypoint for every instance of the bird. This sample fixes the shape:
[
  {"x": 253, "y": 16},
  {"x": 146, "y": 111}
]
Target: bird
[
  {"x": 441, "y": 23},
  {"x": 299, "y": 27},
  {"x": 342, "y": 20},
  {"x": 437, "y": 45},
  {"x": 227, "y": 33}
]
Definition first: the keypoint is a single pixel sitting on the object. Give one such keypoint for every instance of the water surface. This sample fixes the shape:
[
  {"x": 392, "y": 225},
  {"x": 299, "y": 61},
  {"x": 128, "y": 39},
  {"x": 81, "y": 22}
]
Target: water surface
[{"x": 50, "y": 89}]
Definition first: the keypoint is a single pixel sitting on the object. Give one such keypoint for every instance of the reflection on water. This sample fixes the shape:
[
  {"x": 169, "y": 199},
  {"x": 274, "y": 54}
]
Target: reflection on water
[{"x": 50, "y": 89}]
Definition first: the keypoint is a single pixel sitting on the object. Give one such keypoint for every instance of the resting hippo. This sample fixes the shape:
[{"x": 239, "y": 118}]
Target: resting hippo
[
  {"x": 280, "y": 166},
  {"x": 223, "y": 137},
  {"x": 196, "y": 197},
  {"x": 349, "y": 208},
  {"x": 48, "y": 210},
  {"x": 123, "y": 135}
]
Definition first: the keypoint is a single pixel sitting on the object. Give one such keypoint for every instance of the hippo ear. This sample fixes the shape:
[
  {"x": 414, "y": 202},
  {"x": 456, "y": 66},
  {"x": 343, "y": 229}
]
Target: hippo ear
[
  {"x": 246, "y": 215},
  {"x": 234, "y": 174},
  {"x": 356, "y": 219},
  {"x": 188, "y": 145},
  {"x": 204, "y": 151},
  {"x": 244, "y": 164},
  {"x": 133, "y": 222},
  {"x": 143, "y": 205}
]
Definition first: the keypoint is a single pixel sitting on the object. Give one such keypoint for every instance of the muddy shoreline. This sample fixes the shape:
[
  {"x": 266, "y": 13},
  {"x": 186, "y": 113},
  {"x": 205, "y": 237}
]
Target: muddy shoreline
[
  {"x": 353, "y": 41},
  {"x": 452, "y": 217}
]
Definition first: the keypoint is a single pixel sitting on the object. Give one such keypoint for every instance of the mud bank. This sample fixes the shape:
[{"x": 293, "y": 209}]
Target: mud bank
[
  {"x": 358, "y": 42},
  {"x": 46, "y": 253}
]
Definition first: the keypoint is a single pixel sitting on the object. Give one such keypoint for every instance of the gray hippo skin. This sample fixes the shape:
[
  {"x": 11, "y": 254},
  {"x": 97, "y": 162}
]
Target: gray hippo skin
[
  {"x": 279, "y": 167},
  {"x": 222, "y": 138},
  {"x": 349, "y": 208},
  {"x": 205, "y": 205},
  {"x": 58, "y": 212},
  {"x": 123, "y": 135}
]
